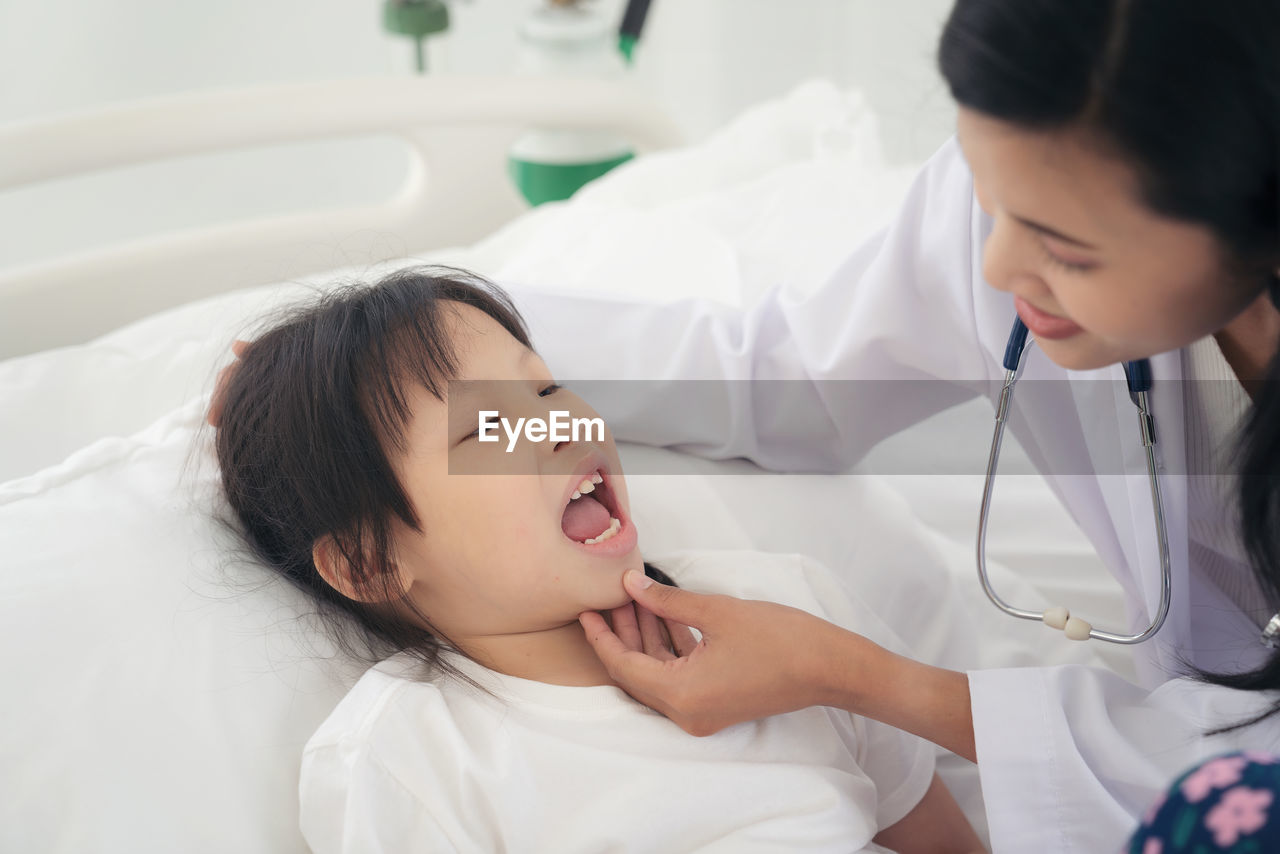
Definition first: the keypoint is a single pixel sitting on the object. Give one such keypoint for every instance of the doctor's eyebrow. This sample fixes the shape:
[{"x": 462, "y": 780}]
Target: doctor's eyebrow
[{"x": 1058, "y": 235}]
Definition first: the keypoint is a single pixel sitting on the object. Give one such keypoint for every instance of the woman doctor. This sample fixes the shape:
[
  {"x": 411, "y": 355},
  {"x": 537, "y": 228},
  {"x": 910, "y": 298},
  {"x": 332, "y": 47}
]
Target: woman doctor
[{"x": 1113, "y": 183}]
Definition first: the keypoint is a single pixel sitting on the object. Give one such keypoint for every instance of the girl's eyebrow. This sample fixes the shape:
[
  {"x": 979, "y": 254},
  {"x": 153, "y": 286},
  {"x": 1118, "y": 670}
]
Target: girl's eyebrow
[
  {"x": 1058, "y": 235},
  {"x": 462, "y": 387},
  {"x": 468, "y": 387}
]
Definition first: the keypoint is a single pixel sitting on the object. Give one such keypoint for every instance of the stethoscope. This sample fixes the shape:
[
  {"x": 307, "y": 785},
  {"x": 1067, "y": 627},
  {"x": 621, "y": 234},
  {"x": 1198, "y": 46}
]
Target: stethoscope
[{"x": 1138, "y": 375}]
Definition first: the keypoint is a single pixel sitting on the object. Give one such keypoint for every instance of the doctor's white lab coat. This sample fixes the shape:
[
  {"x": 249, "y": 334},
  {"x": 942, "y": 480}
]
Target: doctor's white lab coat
[{"x": 1069, "y": 757}]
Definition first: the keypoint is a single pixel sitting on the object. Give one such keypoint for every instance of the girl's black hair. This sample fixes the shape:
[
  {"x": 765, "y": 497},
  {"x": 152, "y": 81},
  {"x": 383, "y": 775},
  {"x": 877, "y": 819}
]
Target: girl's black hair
[
  {"x": 312, "y": 417},
  {"x": 1188, "y": 93}
]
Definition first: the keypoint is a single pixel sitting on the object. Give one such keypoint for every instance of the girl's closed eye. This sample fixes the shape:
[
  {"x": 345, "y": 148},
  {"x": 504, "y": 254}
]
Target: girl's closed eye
[{"x": 491, "y": 421}]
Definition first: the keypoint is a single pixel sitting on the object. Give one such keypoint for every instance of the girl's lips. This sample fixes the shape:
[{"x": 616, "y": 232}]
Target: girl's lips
[
  {"x": 1045, "y": 325},
  {"x": 626, "y": 539}
]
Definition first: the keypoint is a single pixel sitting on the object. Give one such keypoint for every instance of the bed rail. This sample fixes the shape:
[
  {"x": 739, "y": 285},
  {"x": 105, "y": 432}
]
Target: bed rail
[{"x": 456, "y": 191}]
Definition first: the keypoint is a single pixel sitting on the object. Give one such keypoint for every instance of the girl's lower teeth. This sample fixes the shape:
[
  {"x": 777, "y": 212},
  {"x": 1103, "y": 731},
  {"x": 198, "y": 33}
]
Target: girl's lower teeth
[{"x": 614, "y": 526}]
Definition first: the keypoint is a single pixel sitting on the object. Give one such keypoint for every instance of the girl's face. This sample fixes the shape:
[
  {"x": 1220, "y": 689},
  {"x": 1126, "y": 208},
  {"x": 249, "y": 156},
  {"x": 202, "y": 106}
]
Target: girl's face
[
  {"x": 1097, "y": 276},
  {"x": 493, "y": 557}
]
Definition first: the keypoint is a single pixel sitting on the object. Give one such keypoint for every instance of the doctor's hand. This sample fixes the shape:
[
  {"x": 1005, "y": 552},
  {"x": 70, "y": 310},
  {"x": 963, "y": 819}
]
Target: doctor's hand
[
  {"x": 220, "y": 385},
  {"x": 755, "y": 658},
  {"x": 641, "y": 630}
]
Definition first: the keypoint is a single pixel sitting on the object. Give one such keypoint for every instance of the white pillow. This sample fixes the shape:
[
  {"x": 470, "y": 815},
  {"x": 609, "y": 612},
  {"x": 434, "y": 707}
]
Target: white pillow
[
  {"x": 58, "y": 401},
  {"x": 160, "y": 696},
  {"x": 160, "y": 686}
]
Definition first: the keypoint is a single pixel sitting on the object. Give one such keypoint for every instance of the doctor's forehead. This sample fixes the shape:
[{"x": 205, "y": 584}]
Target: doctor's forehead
[{"x": 1060, "y": 179}]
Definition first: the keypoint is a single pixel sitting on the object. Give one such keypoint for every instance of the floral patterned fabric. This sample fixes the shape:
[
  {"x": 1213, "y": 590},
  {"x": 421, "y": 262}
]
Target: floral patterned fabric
[{"x": 1223, "y": 804}]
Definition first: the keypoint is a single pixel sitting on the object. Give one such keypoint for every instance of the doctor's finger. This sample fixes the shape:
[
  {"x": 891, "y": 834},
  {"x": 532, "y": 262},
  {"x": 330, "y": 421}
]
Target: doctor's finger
[
  {"x": 656, "y": 642},
  {"x": 635, "y": 671},
  {"x": 671, "y": 603},
  {"x": 216, "y": 402},
  {"x": 682, "y": 639},
  {"x": 623, "y": 621}
]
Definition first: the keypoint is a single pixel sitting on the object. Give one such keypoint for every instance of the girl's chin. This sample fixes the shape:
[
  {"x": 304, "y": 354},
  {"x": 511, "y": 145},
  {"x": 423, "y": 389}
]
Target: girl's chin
[
  {"x": 623, "y": 599},
  {"x": 608, "y": 603},
  {"x": 611, "y": 592}
]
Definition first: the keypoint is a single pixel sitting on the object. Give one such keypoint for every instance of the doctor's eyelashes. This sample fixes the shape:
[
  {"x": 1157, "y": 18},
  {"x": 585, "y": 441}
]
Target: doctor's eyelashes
[{"x": 1066, "y": 266}]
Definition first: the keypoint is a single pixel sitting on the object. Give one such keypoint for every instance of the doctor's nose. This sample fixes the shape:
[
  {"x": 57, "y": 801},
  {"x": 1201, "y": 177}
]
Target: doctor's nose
[{"x": 1005, "y": 262}]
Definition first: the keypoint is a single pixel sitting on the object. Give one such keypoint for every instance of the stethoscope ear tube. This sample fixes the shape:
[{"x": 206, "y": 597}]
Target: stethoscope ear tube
[
  {"x": 1139, "y": 375},
  {"x": 1013, "y": 350}
]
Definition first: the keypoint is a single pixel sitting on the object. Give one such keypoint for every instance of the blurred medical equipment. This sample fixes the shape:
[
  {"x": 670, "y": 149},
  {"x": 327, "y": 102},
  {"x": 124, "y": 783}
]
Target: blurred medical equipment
[
  {"x": 558, "y": 38},
  {"x": 416, "y": 19},
  {"x": 633, "y": 18},
  {"x": 1138, "y": 375},
  {"x": 568, "y": 37}
]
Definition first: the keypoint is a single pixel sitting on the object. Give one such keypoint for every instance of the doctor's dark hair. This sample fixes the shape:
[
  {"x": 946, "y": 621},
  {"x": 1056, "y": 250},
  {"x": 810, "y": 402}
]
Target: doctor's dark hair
[
  {"x": 1187, "y": 92},
  {"x": 313, "y": 415}
]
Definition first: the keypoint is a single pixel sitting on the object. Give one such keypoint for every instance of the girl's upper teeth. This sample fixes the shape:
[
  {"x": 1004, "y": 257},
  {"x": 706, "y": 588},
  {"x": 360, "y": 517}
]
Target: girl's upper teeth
[{"x": 588, "y": 485}]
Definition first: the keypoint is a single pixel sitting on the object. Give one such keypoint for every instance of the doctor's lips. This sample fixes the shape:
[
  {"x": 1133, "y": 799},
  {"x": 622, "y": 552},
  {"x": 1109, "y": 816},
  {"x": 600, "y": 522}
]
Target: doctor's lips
[
  {"x": 1042, "y": 324},
  {"x": 593, "y": 519}
]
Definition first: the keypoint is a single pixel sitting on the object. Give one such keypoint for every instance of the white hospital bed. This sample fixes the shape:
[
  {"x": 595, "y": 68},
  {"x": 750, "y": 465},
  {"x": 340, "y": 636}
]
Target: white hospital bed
[{"x": 159, "y": 687}]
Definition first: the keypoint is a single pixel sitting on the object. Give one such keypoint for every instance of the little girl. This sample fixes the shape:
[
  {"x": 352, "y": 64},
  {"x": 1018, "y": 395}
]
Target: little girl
[{"x": 350, "y": 450}]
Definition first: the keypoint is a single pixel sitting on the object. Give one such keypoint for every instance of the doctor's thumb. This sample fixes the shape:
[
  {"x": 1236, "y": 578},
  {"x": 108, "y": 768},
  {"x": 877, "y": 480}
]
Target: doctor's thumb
[{"x": 670, "y": 603}]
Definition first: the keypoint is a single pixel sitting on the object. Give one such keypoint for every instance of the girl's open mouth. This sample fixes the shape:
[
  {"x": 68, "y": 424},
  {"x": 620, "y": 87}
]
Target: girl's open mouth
[{"x": 594, "y": 520}]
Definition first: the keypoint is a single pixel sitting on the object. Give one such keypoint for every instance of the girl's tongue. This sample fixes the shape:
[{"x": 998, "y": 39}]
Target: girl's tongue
[{"x": 584, "y": 518}]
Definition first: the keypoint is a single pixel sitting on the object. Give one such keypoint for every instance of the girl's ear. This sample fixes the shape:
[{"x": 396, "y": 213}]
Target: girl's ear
[{"x": 334, "y": 568}]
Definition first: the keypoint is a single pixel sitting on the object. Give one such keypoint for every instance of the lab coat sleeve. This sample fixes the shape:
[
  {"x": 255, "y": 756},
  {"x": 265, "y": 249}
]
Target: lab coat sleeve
[
  {"x": 351, "y": 804},
  {"x": 1071, "y": 757},
  {"x": 793, "y": 382}
]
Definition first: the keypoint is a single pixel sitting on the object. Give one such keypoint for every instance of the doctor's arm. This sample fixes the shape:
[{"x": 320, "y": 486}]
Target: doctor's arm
[
  {"x": 757, "y": 659},
  {"x": 1070, "y": 754},
  {"x": 795, "y": 381}
]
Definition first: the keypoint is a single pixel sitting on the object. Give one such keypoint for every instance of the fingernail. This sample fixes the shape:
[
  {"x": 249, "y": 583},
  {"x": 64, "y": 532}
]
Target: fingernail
[{"x": 639, "y": 580}]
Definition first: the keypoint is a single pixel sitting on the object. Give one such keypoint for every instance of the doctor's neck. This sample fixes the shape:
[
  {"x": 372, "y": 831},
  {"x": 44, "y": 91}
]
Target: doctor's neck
[{"x": 1250, "y": 342}]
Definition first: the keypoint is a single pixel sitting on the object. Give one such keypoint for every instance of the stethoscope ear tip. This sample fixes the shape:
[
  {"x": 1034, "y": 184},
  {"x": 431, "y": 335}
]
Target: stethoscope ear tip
[
  {"x": 1058, "y": 617},
  {"x": 1078, "y": 629}
]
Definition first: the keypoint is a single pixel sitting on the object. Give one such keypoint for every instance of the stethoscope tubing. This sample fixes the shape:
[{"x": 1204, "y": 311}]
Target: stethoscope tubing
[{"x": 1138, "y": 375}]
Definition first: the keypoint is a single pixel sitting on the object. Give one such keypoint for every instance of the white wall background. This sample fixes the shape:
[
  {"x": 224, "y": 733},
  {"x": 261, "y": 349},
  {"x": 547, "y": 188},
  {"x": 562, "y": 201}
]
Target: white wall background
[{"x": 705, "y": 60}]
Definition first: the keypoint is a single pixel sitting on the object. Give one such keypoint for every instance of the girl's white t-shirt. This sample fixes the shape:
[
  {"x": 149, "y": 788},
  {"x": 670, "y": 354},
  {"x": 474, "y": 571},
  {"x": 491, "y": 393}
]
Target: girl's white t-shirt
[{"x": 409, "y": 765}]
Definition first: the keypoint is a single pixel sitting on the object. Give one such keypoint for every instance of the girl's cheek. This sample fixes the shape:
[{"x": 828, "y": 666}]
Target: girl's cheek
[{"x": 524, "y": 532}]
